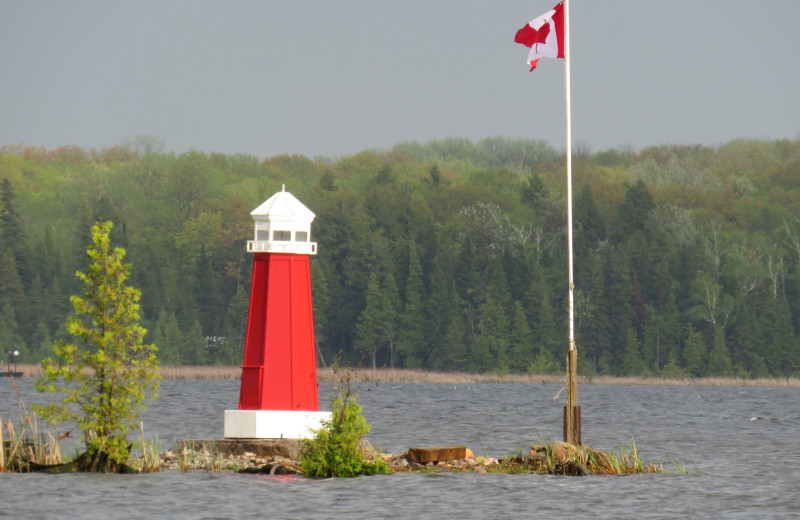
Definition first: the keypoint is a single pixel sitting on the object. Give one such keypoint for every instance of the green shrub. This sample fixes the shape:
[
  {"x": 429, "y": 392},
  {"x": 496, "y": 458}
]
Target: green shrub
[{"x": 334, "y": 452}]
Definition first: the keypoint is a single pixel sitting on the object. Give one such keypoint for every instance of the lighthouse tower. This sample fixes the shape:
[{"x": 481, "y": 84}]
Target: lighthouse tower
[{"x": 278, "y": 395}]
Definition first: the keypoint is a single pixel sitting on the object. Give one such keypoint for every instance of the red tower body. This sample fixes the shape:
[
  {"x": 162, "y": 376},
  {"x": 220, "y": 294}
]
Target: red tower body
[{"x": 279, "y": 370}]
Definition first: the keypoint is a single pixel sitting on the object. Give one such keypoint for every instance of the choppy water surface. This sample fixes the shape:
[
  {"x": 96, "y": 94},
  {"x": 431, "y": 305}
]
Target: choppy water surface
[{"x": 739, "y": 445}]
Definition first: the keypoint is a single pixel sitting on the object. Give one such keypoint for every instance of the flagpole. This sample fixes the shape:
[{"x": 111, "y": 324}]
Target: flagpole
[{"x": 572, "y": 432}]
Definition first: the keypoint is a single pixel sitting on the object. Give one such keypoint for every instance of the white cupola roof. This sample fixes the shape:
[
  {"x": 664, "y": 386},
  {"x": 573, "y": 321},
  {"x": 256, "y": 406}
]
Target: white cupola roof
[
  {"x": 283, "y": 206},
  {"x": 282, "y": 225}
]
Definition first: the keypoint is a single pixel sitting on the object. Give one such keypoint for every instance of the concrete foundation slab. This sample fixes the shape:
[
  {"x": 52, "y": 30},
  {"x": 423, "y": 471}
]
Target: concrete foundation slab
[{"x": 263, "y": 448}]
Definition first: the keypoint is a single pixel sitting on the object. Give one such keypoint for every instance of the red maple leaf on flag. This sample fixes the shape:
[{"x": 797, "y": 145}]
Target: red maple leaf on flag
[{"x": 529, "y": 36}]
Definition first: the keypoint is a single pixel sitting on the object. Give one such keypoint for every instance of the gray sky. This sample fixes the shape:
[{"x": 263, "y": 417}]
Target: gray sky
[{"x": 321, "y": 77}]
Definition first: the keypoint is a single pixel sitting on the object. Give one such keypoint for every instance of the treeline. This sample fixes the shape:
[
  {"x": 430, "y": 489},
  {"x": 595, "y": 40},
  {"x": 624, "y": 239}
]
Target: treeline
[{"x": 447, "y": 255}]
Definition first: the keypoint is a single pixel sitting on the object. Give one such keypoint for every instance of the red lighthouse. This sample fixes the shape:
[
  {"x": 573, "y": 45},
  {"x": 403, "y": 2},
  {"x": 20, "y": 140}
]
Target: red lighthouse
[{"x": 278, "y": 395}]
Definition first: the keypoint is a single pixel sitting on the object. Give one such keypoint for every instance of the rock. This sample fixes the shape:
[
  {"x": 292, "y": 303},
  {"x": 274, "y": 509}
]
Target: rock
[
  {"x": 536, "y": 457},
  {"x": 571, "y": 468},
  {"x": 399, "y": 463},
  {"x": 599, "y": 459},
  {"x": 479, "y": 469},
  {"x": 364, "y": 446},
  {"x": 563, "y": 451}
]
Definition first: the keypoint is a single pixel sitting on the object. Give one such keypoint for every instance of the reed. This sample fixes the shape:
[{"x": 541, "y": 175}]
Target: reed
[
  {"x": 2, "y": 448},
  {"x": 27, "y": 448},
  {"x": 185, "y": 457},
  {"x": 388, "y": 375},
  {"x": 20, "y": 451},
  {"x": 205, "y": 372},
  {"x": 626, "y": 463},
  {"x": 212, "y": 459},
  {"x": 151, "y": 460},
  {"x": 560, "y": 458},
  {"x": 680, "y": 466},
  {"x": 192, "y": 456}
]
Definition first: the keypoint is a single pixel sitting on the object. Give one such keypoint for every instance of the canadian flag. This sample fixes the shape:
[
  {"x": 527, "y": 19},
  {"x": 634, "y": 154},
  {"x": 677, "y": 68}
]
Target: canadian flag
[{"x": 544, "y": 35}]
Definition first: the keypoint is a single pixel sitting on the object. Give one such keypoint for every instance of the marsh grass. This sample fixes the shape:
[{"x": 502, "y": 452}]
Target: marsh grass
[
  {"x": 204, "y": 372},
  {"x": 386, "y": 375},
  {"x": 424, "y": 376}
]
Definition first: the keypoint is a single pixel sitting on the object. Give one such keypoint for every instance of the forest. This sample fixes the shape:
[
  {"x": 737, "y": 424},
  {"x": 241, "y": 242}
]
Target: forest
[{"x": 449, "y": 255}]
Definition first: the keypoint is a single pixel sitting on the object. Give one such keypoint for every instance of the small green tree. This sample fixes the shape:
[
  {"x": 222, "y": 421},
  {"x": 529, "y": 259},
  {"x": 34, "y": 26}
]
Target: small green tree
[
  {"x": 695, "y": 353},
  {"x": 107, "y": 374},
  {"x": 334, "y": 451},
  {"x": 376, "y": 326},
  {"x": 411, "y": 334},
  {"x": 719, "y": 359}
]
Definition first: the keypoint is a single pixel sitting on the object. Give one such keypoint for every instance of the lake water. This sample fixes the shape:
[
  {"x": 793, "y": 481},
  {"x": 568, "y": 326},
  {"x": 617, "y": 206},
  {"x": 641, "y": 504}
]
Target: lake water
[{"x": 739, "y": 445}]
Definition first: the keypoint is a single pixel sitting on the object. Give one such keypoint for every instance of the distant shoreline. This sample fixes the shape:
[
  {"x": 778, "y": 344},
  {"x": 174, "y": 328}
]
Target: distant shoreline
[{"x": 386, "y": 375}]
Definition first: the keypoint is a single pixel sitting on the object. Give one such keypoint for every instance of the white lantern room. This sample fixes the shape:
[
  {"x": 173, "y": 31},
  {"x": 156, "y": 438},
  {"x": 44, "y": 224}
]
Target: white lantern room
[{"x": 282, "y": 225}]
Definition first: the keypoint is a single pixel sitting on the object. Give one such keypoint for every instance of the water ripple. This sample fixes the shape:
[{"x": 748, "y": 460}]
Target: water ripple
[{"x": 747, "y": 468}]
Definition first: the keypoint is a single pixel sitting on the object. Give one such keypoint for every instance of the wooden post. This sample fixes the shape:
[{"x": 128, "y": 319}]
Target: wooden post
[
  {"x": 572, "y": 430},
  {"x": 576, "y": 421}
]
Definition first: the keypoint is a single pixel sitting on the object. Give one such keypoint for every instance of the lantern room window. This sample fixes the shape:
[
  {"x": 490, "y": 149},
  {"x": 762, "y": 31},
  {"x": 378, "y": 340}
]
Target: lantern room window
[
  {"x": 301, "y": 236},
  {"x": 262, "y": 235},
  {"x": 283, "y": 236}
]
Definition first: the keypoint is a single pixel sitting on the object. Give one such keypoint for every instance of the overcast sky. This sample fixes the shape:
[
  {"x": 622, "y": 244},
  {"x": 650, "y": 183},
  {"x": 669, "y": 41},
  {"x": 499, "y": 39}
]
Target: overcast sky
[{"x": 322, "y": 77}]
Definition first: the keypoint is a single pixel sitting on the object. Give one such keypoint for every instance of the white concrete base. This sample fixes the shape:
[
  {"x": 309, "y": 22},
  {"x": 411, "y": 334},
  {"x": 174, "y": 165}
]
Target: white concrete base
[{"x": 272, "y": 424}]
